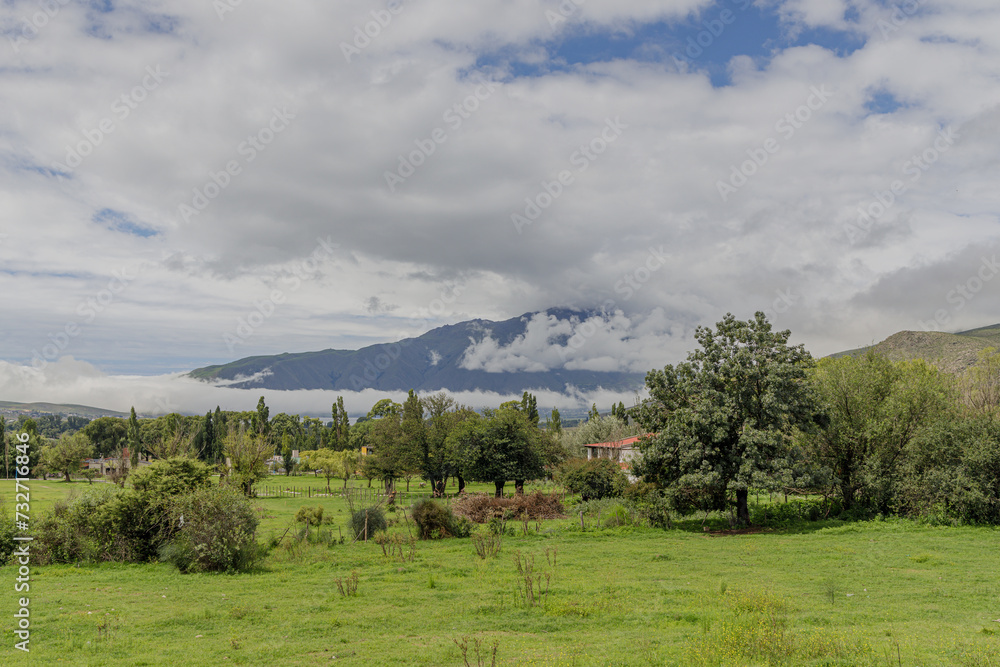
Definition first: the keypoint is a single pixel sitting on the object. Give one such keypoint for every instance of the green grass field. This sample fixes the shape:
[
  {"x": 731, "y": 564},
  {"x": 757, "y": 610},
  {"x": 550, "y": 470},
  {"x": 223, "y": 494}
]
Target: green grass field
[{"x": 879, "y": 593}]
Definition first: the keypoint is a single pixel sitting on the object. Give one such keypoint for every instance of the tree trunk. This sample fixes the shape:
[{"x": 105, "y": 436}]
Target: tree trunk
[
  {"x": 499, "y": 487},
  {"x": 519, "y": 487},
  {"x": 742, "y": 508},
  {"x": 67, "y": 476},
  {"x": 461, "y": 484}
]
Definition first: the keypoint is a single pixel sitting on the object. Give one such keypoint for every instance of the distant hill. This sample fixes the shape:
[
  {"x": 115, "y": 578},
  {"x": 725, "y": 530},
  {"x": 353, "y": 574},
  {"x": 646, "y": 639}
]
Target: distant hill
[
  {"x": 427, "y": 363},
  {"x": 11, "y": 407},
  {"x": 951, "y": 352}
]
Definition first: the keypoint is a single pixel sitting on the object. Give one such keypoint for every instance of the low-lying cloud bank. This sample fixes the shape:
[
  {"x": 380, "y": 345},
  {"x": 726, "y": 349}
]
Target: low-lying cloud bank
[{"x": 71, "y": 381}]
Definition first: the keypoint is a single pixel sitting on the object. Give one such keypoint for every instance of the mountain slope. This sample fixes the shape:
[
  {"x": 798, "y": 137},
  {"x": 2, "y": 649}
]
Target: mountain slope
[
  {"x": 426, "y": 363},
  {"x": 952, "y": 353}
]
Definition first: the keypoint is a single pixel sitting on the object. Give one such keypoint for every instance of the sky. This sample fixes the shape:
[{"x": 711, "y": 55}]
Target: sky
[{"x": 190, "y": 182}]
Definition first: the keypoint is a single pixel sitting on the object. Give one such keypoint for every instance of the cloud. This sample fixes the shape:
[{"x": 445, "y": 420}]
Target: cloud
[
  {"x": 595, "y": 342},
  {"x": 71, "y": 381},
  {"x": 257, "y": 120}
]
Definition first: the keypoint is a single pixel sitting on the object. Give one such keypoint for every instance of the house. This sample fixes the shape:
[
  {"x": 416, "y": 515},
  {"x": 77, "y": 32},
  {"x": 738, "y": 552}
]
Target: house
[{"x": 622, "y": 451}]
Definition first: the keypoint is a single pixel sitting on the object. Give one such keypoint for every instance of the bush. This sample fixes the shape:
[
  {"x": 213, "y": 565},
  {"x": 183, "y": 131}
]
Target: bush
[
  {"x": 593, "y": 479},
  {"x": 371, "y": 519},
  {"x": 111, "y": 523},
  {"x": 7, "y": 542},
  {"x": 435, "y": 520},
  {"x": 480, "y": 507},
  {"x": 214, "y": 530}
]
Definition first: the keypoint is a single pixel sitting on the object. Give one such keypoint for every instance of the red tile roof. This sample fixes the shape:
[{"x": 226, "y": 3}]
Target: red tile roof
[{"x": 617, "y": 444}]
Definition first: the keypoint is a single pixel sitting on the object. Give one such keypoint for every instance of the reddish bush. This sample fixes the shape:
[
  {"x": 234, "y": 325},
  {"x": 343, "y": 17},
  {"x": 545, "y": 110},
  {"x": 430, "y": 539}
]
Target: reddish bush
[{"x": 481, "y": 507}]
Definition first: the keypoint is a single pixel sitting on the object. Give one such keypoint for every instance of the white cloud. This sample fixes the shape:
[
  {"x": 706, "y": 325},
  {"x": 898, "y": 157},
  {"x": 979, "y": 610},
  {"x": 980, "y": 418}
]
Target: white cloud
[{"x": 443, "y": 246}]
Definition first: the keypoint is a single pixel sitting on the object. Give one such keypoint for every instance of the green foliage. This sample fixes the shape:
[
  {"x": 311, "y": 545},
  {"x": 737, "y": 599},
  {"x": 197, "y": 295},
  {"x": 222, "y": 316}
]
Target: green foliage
[
  {"x": 66, "y": 454},
  {"x": 170, "y": 477},
  {"x": 435, "y": 520},
  {"x": 213, "y": 530},
  {"x": 248, "y": 450},
  {"x": 722, "y": 420},
  {"x": 951, "y": 472},
  {"x": 367, "y": 521},
  {"x": 501, "y": 446},
  {"x": 107, "y": 434},
  {"x": 311, "y": 516},
  {"x": 593, "y": 478},
  {"x": 872, "y": 410},
  {"x": 7, "y": 533}
]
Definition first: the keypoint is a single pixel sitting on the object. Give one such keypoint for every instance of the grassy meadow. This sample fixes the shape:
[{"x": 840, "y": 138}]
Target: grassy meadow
[{"x": 826, "y": 593}]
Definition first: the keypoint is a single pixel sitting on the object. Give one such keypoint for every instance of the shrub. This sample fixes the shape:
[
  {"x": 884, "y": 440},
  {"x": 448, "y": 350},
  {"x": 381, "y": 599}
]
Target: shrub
[
  {"x": 370, "y": 519},
  {"x": 435, "y": 520},
  {"x": 593, "y": 479},
  {"x": 432, "y": 518},
  {"x": 214, "y": 530},
  {"x": 480, "y": 507},
  {"x": 7, "y": 542},
  {"x": 111, "y": 523},
  {"x": 311, "y": 516},
  {"x": 170, "y": 477}
]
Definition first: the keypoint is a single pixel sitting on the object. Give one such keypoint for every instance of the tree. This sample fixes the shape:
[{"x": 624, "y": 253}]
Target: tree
[
  {"x": 248, "y": 452},
  {"x": 347, "y": 463},
  {"x": 132, "y": 439},
  {"x": 593, "y": 415},
  {"x": 324, "y": 460},
  {"x": 500, "y": 446},
  {"x": 107, "y": 434},
  {"x": 393, "y": 455},
  {"x": 66, "y": 454},
  {"x": 259, "y": 421},
  {"x": 414, "y": 438},
  {"x": 980, "y": 384},
  {"x": 555, "y": 423},
  {"x": 341, "y": 426},
  {"x": 872, "y": 409},
  {"x": 176, "y": 437},
  {"x": 721, "y": 421},
  {"x": 529, "y": 405},
  {"x": 287, "y": 460}
]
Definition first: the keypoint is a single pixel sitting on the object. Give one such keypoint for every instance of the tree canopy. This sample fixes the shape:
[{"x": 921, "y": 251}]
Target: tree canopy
[{"x": 721, "y": 421}]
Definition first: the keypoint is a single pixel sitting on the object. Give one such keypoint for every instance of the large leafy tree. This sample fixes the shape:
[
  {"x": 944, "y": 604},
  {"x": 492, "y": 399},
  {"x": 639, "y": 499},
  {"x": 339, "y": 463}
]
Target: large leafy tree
[
  {"x": 66, "y": 454},
  {"x": 721, "y": 422},
  {"x": 500, "y": 446},
  {"x": 107, "y": 434},
  {"x": 248, "y": 452},
  {"x": 873, "y": 409},
  {"x": 440, "y": 458}
]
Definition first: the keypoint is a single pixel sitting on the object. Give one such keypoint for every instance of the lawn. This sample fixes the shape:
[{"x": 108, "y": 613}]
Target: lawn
[{"x": 877, "y": 593}]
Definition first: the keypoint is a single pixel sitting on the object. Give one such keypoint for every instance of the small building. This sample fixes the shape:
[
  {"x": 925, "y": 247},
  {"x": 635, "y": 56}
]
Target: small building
[{"x": 622, "y": 451}]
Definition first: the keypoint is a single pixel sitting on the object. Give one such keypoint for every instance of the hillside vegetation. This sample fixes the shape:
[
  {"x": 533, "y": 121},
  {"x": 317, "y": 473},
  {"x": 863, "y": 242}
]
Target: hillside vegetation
[{"x": 951, "y": 352}]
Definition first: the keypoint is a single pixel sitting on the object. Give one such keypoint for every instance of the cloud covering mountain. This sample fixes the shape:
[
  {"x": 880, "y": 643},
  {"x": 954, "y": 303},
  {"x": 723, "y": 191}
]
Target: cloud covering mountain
[{"x": 186, "y": 183}]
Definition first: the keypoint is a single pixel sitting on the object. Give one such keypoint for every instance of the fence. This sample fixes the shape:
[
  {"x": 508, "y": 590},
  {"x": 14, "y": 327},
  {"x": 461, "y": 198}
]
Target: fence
[{"x": 358, "y": 496}]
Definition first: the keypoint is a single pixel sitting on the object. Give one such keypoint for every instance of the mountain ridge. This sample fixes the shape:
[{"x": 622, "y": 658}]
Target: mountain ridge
[{"x": 429, "y": 362}]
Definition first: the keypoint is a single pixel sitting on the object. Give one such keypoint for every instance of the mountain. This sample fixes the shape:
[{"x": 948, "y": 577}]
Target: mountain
[
  {"x": 426, "y": 363},
  {"x": 12, "y": 408},
  {"x": 951, "y": 352}
]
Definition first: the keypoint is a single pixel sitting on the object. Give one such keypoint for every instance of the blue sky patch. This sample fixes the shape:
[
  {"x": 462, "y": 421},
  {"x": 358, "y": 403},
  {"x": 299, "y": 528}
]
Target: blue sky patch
[
  {"x": 122, "y": 222},
  {"x": 705, "y": 42},
  {"x": 883, "y": 102}
]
